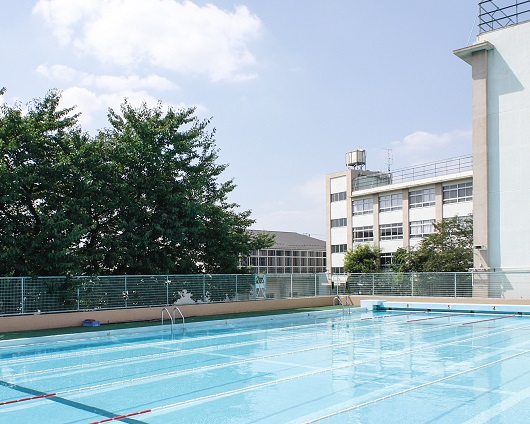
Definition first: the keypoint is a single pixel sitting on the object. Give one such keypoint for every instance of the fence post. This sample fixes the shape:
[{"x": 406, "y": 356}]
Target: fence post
[
  {"x": 125, "y": 291},
  {"x": 455, "y": 284},
  {"x": 78, "y": 300},
  {"x": 291, "y": 295},
  {"x": 315, "y": 295},
  {"x": 237, "y": 294},
  {"x": 167, "y": 289},
  {"x": 412, "y": 284},
  {"x": 22, "y": 302},
  {"x": 373, "y": 284}
]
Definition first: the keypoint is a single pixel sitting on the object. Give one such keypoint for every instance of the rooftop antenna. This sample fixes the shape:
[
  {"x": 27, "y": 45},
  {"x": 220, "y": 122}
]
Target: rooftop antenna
[{"x": 389, "y": 159}]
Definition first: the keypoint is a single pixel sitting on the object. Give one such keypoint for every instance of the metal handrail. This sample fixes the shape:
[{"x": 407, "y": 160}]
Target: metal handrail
[
  {"x": 341, "y": 304},
  {"x": 170, "y": 317},
  {"x": 176, "y": 308},
  {"x": 441, "y": 168}
]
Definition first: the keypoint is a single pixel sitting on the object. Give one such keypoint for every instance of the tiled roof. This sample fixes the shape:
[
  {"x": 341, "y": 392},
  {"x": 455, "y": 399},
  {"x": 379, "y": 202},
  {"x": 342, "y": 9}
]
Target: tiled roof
[{"x": 293, "y": 241}]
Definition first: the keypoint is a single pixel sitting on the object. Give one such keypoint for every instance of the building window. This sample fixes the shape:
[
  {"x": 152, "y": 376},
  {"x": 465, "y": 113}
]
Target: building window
[
  {"x": 456, "y": 193},
  {"x": 339, "y": 248},
  {"x": 385, "y": 260},
  {"x": 391, "y": 231},
  {"x": 337, "y": 197},
  {"x": 390, "y": 202},
  {"x": 337, "y": 270},
  {"x": 422, "y": 198},
  {"x": 363, "y": 206},
  {"x": 363, "y": 234},
  {"x": 421, "y": 228},
  {"x": 341, "y": 222}
]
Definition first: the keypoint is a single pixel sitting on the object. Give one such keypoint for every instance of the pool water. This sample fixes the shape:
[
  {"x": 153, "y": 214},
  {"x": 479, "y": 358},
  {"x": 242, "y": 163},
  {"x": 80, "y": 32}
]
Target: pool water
[{"x": 394, "y": 367}]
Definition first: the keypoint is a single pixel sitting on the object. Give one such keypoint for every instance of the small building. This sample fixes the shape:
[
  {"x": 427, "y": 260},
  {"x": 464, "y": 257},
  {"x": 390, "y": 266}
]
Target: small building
[
  {"x": 392, "y": 209},
  {"x": 292, "y": 253}
]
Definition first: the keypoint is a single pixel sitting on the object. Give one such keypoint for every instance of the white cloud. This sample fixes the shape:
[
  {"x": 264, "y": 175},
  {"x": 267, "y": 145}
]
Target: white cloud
[
  {"x": 176, "y": 35},
  {"x": 94, "y": 107},
  {"x": 93, "y": 95},
  {"x": 105, "y": 82},
  {"x": 422, "y": 147}
]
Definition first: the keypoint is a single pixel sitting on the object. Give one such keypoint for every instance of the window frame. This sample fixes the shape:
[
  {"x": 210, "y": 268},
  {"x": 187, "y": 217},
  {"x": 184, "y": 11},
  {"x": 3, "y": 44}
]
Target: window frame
[
  {"x": 338, "y": 197},
  {"x": 365, "y": 231},
  {"x": 339, "y": 248},
  {"x": 423, "y": 225},
  {"x": 463, "y": 192},
  {"x": 363, "y": 206},
  {"x": 392, "y": 231},
  {"x": 394, "y": 201},
  {"x": 424, "y": 197},
  {"x": 339, "y": 222}
]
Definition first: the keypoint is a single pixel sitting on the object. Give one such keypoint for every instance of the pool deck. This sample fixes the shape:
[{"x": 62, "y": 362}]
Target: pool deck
[{"x": 44, "y": 321}]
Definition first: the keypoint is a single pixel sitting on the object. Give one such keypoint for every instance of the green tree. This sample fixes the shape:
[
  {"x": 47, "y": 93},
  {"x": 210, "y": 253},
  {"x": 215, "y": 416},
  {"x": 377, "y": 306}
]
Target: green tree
[
  {"x": 402, "y": 260},
  {"x": 448, "y": 249},
  {"x": 141, "y": 197},
  {"x": 40, "y": 224},
  {"x": 363, "y": 258}
]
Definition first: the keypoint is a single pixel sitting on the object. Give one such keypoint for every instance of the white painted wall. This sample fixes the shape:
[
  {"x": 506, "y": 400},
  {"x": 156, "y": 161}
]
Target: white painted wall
[
  {"x": 337, "y": 260},
  {"x": 363, "y": 220},
  {"x": 461, "y": 209},
  {"x": 390, "y": 217},
  {"x": 338, "y": 209},
  {"x": 339, "y": 235},
  {"x": 509, "y": 146},
  {"x": 338, "y": 184},
  {"x": 389, "y": 246},
  {"x": 421, "y": 214}
]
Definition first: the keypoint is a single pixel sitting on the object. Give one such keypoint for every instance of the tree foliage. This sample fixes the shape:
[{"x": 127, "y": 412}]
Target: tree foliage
[
  {"x": 362, "y": 258},
  {"x": 143, "y": 196},
  {"x": 448, "y": 249}
]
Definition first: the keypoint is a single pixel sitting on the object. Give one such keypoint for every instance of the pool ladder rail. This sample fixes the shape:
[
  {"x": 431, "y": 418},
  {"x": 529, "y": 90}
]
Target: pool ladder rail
[
  {"x": 343, "y": 301},
  {"x": 172, "y": 318}
]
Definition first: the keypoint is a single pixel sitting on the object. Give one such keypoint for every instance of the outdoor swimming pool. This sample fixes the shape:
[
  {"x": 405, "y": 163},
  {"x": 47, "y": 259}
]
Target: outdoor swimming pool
[{"x": 394, "y": 367}]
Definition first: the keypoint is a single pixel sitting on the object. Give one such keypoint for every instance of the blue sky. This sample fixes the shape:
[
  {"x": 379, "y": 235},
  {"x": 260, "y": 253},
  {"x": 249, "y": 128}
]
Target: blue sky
[{"x": 291, "y": 85}]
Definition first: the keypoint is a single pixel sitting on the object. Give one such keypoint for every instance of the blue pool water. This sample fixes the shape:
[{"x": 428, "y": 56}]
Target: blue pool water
[{"x": 370, "y": 367}]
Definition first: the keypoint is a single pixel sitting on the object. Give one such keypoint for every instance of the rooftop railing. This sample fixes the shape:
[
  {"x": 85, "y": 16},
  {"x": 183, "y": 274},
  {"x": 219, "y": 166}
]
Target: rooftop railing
[
  {"x": 502, "y": 13},
  {"x": 419, "y": 172}
]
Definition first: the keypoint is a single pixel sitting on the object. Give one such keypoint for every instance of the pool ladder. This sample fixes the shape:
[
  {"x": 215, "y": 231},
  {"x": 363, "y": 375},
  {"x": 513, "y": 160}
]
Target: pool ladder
[
  {"x": 172, "y": 318},
  {"x": 343, "y": 301}
]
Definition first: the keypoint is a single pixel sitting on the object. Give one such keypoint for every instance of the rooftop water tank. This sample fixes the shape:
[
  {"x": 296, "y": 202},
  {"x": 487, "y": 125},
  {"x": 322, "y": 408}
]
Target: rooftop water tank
[{"x": 356, "y": 159}]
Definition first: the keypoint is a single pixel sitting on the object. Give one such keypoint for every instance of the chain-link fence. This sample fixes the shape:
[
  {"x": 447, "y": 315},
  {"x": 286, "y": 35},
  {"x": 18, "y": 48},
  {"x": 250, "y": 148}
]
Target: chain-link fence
[
  {"x": 25, "y": 295},
  {"x": 495, "y": 285}
]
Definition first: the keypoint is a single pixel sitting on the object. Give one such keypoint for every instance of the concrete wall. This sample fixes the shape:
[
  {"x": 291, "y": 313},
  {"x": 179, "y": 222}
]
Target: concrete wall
[
  {"x": 508, "y": 146},
  {"x": 75, "y": 319}
]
